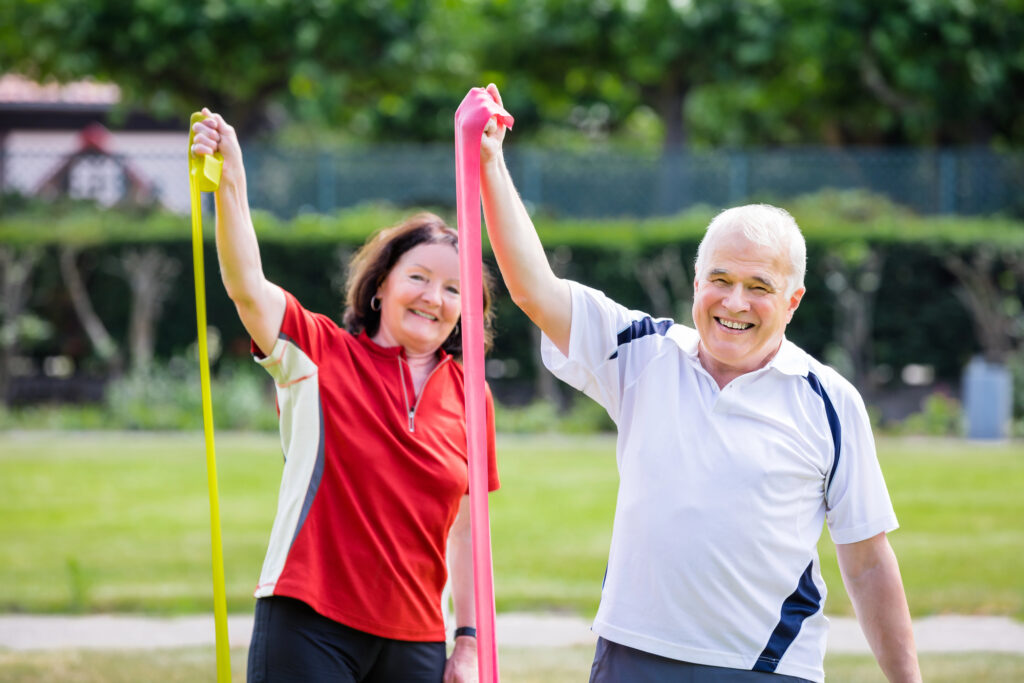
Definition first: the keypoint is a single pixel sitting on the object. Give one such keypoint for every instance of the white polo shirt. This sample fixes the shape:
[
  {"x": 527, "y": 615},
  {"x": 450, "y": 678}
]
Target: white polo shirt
[{"x": 722, "y": 493}]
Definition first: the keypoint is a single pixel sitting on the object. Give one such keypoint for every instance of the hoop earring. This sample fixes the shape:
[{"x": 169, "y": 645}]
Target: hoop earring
[
  {"x": 457, "y": 330},
  {"x": 375, "y": 300}
]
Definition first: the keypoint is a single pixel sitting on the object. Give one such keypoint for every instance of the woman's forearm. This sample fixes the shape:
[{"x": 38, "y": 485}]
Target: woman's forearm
[
  {"x": 260, "y": 304},
  {"x": 238, "y": 251},
  {"x": 460, "y": 567}
]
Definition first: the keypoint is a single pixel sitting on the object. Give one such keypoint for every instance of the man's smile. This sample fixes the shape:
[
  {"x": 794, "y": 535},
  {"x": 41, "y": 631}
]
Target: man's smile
[{"x": 733, "y": 324}]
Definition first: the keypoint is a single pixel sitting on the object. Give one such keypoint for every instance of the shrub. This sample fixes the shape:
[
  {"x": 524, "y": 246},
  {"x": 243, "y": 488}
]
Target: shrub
[
  {"x": 583, "y": 417},
  {"x": 941, "y": 415},
  {"x": 57, "y": 417},
  {"x": 170, "y": 397}
]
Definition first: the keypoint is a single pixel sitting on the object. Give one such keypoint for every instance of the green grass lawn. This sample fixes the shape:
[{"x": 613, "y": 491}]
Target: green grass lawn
[
  {"x": 120, "y": 522},
  {"x": 548, "y": 665}
]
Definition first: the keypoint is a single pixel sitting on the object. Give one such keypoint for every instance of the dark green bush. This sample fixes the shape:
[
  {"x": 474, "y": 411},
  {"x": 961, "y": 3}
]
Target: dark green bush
[{"x": 918, "y": 314}]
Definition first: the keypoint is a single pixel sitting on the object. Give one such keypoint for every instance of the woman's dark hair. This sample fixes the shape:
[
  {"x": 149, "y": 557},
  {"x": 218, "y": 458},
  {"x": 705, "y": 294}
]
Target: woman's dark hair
[{"x": 375, "y": 259}]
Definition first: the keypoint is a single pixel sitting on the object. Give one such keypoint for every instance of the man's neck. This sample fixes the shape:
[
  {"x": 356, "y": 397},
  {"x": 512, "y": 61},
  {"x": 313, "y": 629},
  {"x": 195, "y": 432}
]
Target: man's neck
[{"x": 722, "y": 373}]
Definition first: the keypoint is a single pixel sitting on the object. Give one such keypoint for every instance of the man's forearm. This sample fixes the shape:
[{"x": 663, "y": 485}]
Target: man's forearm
[{"x": 875, "y": 587}]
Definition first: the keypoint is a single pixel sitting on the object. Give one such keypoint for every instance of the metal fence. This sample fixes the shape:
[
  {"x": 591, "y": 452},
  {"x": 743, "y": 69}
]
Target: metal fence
[{"x": 600, "y": 184}]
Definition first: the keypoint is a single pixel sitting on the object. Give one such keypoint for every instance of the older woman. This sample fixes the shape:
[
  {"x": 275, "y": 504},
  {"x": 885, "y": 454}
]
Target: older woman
[{"x": 375, "y": 477}]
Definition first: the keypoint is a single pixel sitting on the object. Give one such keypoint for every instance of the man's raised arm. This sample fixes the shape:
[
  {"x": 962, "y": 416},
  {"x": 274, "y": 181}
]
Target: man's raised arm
[{"x": 524, "y": 266}]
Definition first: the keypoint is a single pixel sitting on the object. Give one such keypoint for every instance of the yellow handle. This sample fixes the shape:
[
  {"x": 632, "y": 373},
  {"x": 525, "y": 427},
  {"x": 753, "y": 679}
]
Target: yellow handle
[
  {"x": 204, "y": 168},
  {"x": 204, "y": 176}
]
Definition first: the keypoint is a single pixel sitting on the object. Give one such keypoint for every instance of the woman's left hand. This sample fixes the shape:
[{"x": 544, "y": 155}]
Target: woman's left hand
[{"x": 462, "y": 665}]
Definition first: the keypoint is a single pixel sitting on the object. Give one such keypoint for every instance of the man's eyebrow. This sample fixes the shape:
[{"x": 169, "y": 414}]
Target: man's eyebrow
[{"x": 763, "y": 279}]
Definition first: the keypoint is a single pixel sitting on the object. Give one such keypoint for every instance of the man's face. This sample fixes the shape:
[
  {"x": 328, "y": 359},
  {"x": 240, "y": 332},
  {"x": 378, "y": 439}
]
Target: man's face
[{"x": 740, "y": 307}]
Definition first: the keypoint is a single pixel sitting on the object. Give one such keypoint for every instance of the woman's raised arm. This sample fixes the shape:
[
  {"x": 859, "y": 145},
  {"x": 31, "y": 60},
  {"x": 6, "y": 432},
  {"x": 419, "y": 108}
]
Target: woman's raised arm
[{"x": 259, "y": 302}]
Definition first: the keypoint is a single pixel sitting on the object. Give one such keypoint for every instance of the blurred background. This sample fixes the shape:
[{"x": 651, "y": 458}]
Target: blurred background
[{"x": 891, "y": 129}]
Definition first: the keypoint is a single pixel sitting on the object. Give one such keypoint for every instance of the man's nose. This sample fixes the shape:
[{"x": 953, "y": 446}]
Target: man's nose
[{"x": 736, "y": 299}]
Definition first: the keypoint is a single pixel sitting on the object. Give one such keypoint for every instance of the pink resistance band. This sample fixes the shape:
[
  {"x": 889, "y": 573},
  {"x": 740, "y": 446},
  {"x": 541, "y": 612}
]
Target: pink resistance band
[{"x": 472, "y": 116}]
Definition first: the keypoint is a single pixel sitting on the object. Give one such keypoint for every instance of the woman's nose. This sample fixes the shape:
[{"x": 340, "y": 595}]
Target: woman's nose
[{"x": 431, "y": 293}]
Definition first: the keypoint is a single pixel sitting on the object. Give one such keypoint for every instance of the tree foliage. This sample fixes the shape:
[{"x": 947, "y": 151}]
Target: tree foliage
[
  {"x": 775, "y": 71},
  {"x": 705, "y": 72},
  {"x": 626, "y": 54},
  {"x": 901, "y": 72},
  {"x": 317, "y": 58}
]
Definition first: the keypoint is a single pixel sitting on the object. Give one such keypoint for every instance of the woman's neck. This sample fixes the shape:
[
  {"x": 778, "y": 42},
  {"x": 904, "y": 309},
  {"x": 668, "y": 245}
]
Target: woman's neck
[
  {"x": 421, "y": 360},
  {"x": 420, "y": 367},
  {"x": 383, "y": 339},
  {"x": 420, "y": 364}
]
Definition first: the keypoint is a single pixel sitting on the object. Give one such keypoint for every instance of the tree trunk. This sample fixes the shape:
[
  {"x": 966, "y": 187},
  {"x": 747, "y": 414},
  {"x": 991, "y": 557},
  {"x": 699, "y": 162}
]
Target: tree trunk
[
  {"x": 668, "y": 285},
  {"x": 15, "y": 275},
  {"x": 150, "y": 275},
  {"x": 982, "y": 297},
  {"x": 668, "y": 101},
  {"x": 3, "y": 161},
  {"x": 104, "y": 345},
  {"x": 855, "y": 286}
]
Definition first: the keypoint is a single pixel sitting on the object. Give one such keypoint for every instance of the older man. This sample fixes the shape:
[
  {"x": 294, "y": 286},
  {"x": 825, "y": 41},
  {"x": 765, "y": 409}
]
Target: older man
[{"x": 734, "y": 446}]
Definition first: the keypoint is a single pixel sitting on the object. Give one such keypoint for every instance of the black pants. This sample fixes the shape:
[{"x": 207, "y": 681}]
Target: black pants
[
  {"x": 614, "y": 663},
  {"x": 291, "y": 642}
]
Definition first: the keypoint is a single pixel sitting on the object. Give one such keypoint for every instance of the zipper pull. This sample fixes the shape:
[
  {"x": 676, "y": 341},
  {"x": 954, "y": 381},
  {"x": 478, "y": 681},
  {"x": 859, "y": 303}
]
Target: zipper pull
[{"x": 412, "y": 418}]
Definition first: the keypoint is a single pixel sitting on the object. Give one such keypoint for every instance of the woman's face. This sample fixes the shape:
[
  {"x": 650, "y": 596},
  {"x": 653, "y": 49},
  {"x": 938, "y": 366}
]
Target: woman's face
[{"x": 419, "y": 299}]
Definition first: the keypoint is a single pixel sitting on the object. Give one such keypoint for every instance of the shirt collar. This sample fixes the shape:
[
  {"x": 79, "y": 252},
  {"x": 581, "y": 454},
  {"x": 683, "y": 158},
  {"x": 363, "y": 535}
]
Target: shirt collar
[
  {"x": 789, "y": 360},
  {"x": 390, "y": 351},
  {"x": 374, "y": 347},
  {"x": 689, "y": 342}
]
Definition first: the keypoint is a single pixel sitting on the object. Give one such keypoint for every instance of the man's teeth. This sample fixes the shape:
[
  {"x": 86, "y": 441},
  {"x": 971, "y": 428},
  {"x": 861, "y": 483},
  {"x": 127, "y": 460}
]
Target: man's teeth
[
  {"x": 425, "y": 315},
  {"x": 734, "y": 325}
]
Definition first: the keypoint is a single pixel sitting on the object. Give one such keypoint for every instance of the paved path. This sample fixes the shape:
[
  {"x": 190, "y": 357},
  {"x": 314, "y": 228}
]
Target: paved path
[{"x": 123, "y": 632}]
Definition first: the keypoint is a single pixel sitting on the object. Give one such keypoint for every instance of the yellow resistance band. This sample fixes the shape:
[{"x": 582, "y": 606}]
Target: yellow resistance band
[{"x": 204, "y": 176}]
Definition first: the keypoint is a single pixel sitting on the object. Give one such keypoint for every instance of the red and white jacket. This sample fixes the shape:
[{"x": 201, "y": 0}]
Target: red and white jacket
[{"x": 373, "y": 478}]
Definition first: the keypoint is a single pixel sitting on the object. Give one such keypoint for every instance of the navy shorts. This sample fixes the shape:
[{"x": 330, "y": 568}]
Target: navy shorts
[
  {"x": 292, "y": 642},
  {"x": 614, "y": 663}
]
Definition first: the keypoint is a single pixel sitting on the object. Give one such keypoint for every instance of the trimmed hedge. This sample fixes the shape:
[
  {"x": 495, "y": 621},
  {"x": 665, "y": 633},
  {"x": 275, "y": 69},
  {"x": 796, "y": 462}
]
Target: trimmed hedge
[{"x": 918, "y": 316}]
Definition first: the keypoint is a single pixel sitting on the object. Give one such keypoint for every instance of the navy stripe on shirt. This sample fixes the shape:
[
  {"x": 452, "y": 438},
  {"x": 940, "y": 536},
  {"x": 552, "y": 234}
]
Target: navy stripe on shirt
[
  {"x": 641, "y": 328},
  {"x": 833, "y": 424},
  {"x": 805, "y": 601}
]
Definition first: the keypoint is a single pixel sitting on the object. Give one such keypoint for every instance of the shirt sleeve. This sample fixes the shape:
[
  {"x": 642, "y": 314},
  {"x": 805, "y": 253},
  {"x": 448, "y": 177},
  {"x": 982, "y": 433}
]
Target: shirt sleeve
[
  {"x": 599, "y": 327},
  {"x": 857, "y": 503},
  {"x": 300, "y": 344}
]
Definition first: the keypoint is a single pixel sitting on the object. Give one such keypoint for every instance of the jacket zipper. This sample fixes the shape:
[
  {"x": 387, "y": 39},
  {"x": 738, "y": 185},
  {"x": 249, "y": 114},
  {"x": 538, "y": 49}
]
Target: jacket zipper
[{"x": 405, "y": 394}]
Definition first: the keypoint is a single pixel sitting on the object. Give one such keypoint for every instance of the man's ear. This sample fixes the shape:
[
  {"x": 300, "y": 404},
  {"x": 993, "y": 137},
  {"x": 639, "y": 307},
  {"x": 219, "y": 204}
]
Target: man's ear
[{"x": 794, "y": 302}]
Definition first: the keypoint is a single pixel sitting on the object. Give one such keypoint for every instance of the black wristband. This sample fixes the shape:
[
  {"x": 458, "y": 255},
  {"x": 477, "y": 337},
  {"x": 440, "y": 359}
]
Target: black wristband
[{"x": 465, "y": 631}]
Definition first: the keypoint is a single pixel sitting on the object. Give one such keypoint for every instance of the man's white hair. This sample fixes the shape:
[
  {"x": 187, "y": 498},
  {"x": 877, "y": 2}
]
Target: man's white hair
[{"x": 762, "y": 224}]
